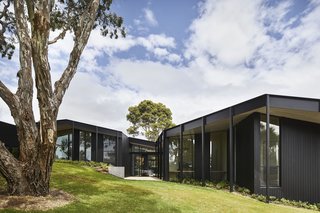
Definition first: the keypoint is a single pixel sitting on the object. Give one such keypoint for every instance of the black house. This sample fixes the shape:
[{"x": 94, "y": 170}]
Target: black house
[
  {"x": 269, "y": 144},
  {"x": 85, "y": 142}
]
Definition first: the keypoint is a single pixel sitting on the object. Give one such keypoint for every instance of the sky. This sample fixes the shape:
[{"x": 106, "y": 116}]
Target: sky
[{"x": 196, "y": 57}]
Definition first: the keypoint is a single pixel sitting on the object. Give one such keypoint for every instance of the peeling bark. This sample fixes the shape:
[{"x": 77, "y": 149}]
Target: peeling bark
[
  {"x": 11, "y": 170},
  {"x": 30, "y": 174}
]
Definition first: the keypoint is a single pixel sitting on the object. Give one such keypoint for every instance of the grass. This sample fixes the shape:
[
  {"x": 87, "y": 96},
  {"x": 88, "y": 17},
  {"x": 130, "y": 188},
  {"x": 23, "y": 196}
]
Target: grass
[{"x": 96, "y": 192}]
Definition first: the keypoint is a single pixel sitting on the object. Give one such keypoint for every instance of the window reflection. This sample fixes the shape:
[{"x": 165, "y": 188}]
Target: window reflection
[
  {"x": 188, "y": 156},
  {"x": 85, "y": 146},
  {"x": 64, "y": 146},
  {"x": 137, "y": 148},
  {"x": 218, "y": 156},
  {"x": 174, "y": 162},
  {"x": 109, "y": 149},
  {"x": 274, "y": 151}
]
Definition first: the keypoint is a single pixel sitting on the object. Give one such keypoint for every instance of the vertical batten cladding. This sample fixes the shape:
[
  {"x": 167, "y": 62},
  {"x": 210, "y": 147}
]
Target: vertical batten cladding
[
  {"x": 300, "y": 160},
  {"x": 245, "y": 148},
  {"x": 231, "y": 152},
  {"x": 267, "y": 144},
  {"x": 203, "y": 131},
  {"x": 166, "y": 157},
  {"x": 100, "y": 148},
  {"x": 93, "y": 146},
  {"x": 181, "y": 152},
  {"x": 75, "y": 145}
]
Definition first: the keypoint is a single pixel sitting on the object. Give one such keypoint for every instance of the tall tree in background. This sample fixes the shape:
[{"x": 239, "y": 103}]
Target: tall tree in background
[
  {"x": 30, "y": 22},
  {"x": 149, "y": 119}
]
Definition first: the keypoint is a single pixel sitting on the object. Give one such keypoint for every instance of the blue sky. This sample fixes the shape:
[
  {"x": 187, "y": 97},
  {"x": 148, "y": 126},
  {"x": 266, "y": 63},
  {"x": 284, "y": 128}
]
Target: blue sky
[{"x": 196, "y": 57}]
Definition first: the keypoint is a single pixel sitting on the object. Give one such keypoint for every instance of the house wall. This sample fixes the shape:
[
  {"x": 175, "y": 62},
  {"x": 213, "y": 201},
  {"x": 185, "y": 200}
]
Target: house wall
[
  {"x": 75, "y": 144},
  {"x": 300, "y": 161},
  {"x": 93, "y": 147},
  {"x": 198, "y": 157},
  {"x": 125, "y": 156},
  {"x": 8, "y": 135},
  {"x": 100, "y": 148},
  {"x": 244, "y": 146}
]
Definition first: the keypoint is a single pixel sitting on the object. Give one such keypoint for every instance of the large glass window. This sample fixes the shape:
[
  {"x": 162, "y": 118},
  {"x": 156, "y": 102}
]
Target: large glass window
[
  {"x": 85, "y": 146},
  {"x": 188, "y": 156},
  {"x": 109, "y": 149},
  {"x": 64, "y": 146},
  {"x": 138, "y": 148},
  {"x": 218, "y": 156},
  {"x": 174, "y": 155},
  {"x": 274, "y": 151}
]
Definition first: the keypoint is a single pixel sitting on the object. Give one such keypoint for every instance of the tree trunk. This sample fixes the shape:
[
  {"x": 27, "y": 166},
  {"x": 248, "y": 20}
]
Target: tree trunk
[{"x": 30, "y": 174}]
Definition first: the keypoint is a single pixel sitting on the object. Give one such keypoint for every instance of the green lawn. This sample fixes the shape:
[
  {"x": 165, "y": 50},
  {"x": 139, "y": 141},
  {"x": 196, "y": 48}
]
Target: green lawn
[{"x": 97, "y": 192}]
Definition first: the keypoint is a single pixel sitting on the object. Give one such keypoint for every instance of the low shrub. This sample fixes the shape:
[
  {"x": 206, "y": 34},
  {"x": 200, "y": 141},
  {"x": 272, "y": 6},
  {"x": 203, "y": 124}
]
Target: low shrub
[
  {"x": 246, "y": 192},
  {"x": 222, "y": 185},
  {"x": 85, "y": 163}
]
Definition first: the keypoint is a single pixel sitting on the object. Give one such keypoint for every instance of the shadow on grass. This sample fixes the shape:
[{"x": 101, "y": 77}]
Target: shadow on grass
[
  {"x": 96, "y": 192},
  {"x": 119, "y": 197}
]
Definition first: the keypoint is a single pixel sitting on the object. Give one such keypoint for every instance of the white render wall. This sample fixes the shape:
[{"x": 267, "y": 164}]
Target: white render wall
[{"x": 116, "y": 171}]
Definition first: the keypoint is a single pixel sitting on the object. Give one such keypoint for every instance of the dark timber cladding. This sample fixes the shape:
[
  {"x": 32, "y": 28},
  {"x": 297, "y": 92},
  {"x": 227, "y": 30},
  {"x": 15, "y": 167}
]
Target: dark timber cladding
[
  {"x": 269, "y": 144},
  {"x": 231, "y": 155},
  {"x": 286, "y": 166},
  {"x": 203, "y": 131}
]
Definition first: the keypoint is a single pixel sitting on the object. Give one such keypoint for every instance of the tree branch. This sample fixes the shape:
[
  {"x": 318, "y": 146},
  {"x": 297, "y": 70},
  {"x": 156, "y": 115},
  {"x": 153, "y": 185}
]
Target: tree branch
[
  {"x": 10, "y": 99},
  {"x": 60, "y": 36},
  {"x": 25, "y": 83},
  {"x": 25, "y": 119},
  {"x": 9, "y": 168},
  {"x": 82, "y": 33}
]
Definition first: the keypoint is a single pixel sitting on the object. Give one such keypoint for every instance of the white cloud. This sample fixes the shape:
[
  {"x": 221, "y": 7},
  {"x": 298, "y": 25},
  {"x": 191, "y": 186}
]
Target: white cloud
[
  {"x": 160, "y": 52},
  {"x": 159, "y": 45},
  {"x": 150, "y": 17},
  {"x": 227, "y": 31},
  {"x": 233, "y": 56},
  {"x": 175, "y": 58}
]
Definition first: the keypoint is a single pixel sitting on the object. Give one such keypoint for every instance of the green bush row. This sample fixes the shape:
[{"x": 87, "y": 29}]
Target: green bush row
[
  {"x": 85, "y": 163},
  {"x": 246, "y": 192}
]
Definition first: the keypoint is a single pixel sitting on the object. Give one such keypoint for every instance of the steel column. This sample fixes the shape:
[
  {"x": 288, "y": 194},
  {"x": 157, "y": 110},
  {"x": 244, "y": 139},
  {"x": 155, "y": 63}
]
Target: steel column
[
  {"x": 181, "y": 152},
  {"x": 166, "y": 157},
  {"x": 202, "y": 150},
  {"x": 231, "y": 153},
  {"x": 267, "y": 145},
  {"x": 97, "y": 144}
]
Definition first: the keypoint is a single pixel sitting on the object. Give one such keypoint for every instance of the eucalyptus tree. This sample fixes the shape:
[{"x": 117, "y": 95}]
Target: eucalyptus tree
[
  {"x": 29, "y": 23},
  {"x": 149, "y": 119}
]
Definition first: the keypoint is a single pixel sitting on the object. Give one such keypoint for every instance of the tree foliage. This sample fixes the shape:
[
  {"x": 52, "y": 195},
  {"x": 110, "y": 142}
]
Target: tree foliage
[
  {"x": 149, "y": 119},
  {"x": 29, "y": 23},
  {"x": 64, "y": 15}
]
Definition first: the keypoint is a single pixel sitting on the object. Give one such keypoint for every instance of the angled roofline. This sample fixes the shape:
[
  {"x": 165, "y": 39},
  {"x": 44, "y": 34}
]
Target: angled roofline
[
  {"x": 280, "y": 101},
  {"x": 141, "y": 142},
  {"x": 78, "y": 124}
]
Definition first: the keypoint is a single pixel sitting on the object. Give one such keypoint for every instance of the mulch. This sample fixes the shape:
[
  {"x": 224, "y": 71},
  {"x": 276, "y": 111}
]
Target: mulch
[{"x": 56, "y": 198}]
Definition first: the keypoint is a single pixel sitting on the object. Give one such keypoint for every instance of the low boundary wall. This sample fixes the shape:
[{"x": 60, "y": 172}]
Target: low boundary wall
[{"x": 118, "y": 171}]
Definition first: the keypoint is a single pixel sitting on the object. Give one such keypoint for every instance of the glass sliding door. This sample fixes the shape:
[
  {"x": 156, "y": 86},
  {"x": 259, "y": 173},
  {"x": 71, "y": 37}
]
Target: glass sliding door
[
  {"x": 152, "y": 165},
  {"x": 109, "y": 149},
  {"x": 144, "y": 164},
  {"x": 64, "y": 146},
  {"x": 274, "y": 151},
  {"x": 218, "y": 156},
  {"x": 85, "y": 146},
  {"x": 138, "y": 162},
  {"x": 174, "y": 157},
  {"x": 188, "y": 156}
]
